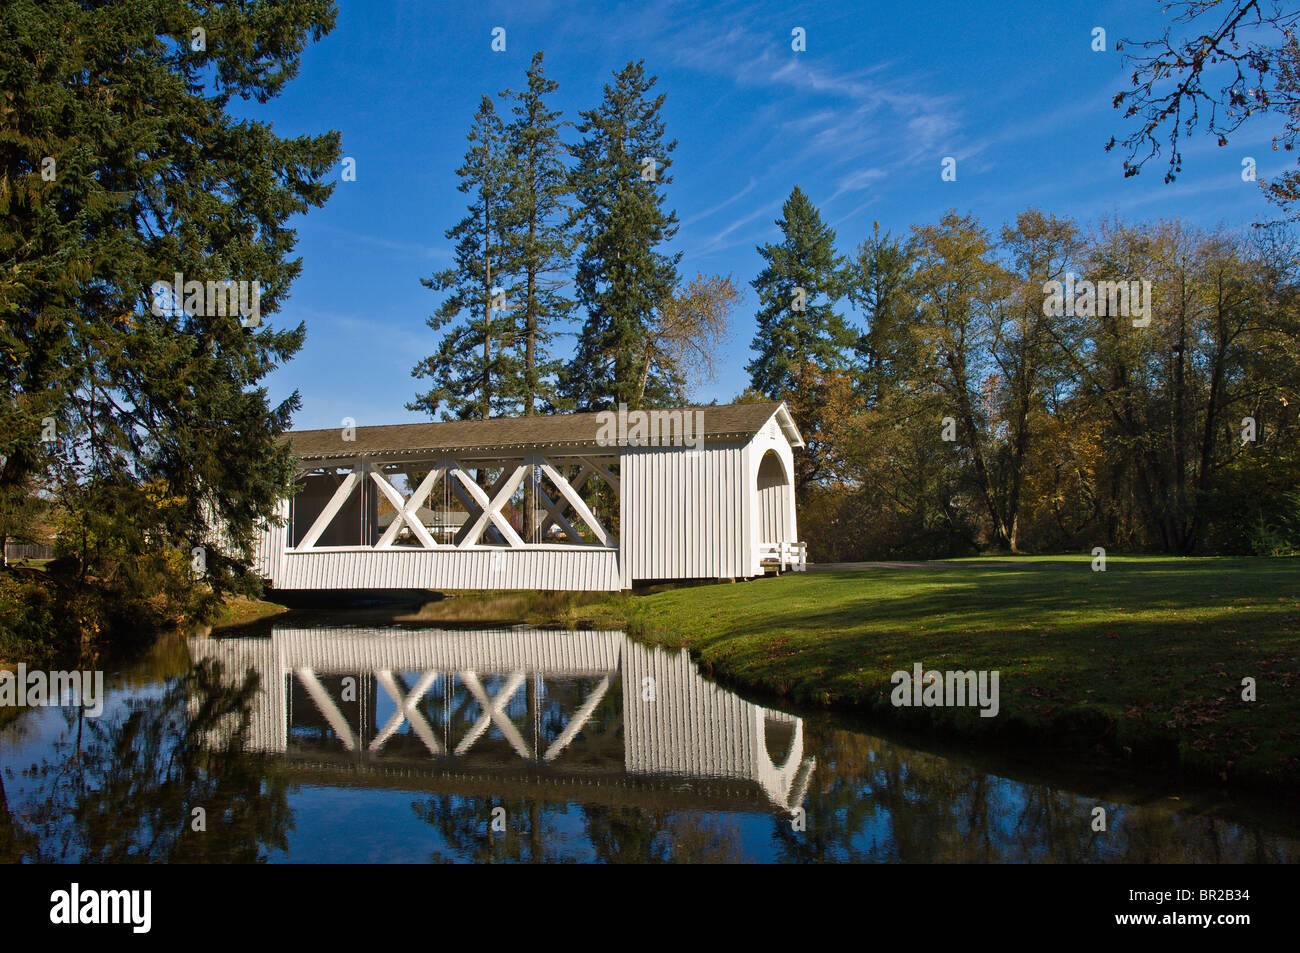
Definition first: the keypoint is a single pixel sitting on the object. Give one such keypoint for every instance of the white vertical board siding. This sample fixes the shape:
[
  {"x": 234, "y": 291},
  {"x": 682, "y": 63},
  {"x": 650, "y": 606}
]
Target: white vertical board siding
[
  {"x": 683, "y": 512},
  {"x": 554, "y": 567},
  {"x": 268, "y": 542},
  {"x": 268, "y": 724},
  {"x": 271, "y": 544},
  {"x": 691, "y": 727},
  {"x": 696, "y": 728},
  {"x": 626, "y": 531}
]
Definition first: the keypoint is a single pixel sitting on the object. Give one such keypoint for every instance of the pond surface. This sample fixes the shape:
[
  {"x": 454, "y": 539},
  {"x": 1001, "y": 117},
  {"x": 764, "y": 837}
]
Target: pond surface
[{"x": 407, "y": 744}]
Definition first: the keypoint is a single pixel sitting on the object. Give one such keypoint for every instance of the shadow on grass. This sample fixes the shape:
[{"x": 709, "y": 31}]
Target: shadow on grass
[{"x": 1148, "y": 656}]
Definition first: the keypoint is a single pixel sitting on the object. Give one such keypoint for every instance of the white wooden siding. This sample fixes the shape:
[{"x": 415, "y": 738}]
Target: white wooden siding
[
  {"x": 683, "y": 513},
  {"x": 695, "y": 727},
  {"x": 271, "y": 546},
  {"x": 549, "y": 567}
]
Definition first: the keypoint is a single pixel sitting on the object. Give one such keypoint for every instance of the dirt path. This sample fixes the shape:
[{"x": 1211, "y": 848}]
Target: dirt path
[{"x": 931, "y": 564}]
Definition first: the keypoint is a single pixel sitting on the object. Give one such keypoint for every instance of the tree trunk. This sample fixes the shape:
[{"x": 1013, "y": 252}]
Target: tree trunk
[
  {"x": 487, "y": 300},
  {"x": 530, "y": 357},
  {"x": 957, "y": 367}
]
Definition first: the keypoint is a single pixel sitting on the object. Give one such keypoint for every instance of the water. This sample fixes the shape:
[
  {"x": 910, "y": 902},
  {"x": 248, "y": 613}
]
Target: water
[{"x": 385, "y": 744}]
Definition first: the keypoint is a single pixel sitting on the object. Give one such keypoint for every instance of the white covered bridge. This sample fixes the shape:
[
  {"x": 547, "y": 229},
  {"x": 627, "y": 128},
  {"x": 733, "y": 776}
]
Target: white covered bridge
[{"x": 581, "y": 501}]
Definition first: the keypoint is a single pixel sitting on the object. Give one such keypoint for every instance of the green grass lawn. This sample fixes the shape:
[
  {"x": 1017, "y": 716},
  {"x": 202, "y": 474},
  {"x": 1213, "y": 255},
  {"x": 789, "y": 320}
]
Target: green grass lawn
[{"x": 1144, "y": 660}]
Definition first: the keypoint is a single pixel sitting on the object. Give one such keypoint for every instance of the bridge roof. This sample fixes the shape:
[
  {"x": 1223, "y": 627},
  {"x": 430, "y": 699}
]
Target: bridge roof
[
  {"x": 609, "y": 785},
  {"x": 568, "y": 431}
]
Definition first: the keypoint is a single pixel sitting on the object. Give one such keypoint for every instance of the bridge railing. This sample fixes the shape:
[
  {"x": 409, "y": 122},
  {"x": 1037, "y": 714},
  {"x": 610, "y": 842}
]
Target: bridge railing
[{"x": 785, "y": 555}]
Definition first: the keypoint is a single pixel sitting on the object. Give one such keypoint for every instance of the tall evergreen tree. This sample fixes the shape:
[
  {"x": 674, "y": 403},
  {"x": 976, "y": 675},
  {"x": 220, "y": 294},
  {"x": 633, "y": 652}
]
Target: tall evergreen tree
[
  {"x": 622, "y": 275},
  {"x": 797, "y": 291},
  {"x": 474, "y": 368},
  {"x": 879, "y": 291},
  {"x": 119, "y": 167},
  {"x": 802, "y": 341},
  {"x": 540, "y": 235}
]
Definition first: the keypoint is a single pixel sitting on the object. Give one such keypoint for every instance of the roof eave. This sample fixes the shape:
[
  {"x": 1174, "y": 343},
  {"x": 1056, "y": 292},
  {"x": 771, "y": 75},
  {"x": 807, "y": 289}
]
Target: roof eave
[{"x": 788, "y": 426}]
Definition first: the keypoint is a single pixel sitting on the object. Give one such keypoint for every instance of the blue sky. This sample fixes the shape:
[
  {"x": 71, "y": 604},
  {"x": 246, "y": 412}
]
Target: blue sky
[{"x": 861, "y": 121}]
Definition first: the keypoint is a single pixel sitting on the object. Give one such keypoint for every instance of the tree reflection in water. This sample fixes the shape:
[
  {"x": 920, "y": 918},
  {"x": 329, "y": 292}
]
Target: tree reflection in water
[
  {"x": 873, "y": 801},
  {"x": 122, "y": 788},
  {"x": 876, "y": 801},
  {"x": 553, "y": 833}
]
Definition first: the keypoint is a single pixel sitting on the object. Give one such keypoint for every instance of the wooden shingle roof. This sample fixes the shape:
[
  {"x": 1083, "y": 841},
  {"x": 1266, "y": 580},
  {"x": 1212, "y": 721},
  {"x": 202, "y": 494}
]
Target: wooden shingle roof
[{"x": 568, "y": 431}]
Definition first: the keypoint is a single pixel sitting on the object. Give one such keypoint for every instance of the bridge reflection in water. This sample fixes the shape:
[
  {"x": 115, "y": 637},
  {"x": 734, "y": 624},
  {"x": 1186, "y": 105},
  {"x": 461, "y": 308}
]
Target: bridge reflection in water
[{"x": 586, "y": 716}]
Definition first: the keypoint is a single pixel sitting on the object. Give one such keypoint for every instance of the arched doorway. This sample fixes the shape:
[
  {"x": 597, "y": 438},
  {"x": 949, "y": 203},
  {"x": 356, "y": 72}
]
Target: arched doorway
[{"x": 774, "y": 501}]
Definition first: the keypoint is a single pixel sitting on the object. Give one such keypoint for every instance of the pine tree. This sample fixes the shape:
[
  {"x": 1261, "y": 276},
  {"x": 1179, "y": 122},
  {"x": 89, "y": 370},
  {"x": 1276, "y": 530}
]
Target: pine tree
[
  {"x": 879, "y": 290},
  {"x": 540, "y": 236},
  {"x": 474, "y": 370},
  {"x": 797, "y": 290},
  {"x": 802, "y": 340},
  {"x": 622, "y": 276},
  {"x": 120, "y": 167}
]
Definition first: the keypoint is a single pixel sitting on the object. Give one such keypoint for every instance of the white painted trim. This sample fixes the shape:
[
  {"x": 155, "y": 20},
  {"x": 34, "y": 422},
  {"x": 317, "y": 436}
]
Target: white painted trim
[
  {"x": 578, "y": 482},
  {"x": 578, "y": 721},
  {"x": 494, "y": 713},
  {"x": 407, "y": 511},
  {"x": 576, "y": 501},
  {"x": 555, "y": 515},
  {"x": 407, "y": 709},
  {"x": 327, "y": 707},
  {"x": 332, "y": 508},
  {"x": 472, "y": 509},
  {"x": 491, "y": 508}
]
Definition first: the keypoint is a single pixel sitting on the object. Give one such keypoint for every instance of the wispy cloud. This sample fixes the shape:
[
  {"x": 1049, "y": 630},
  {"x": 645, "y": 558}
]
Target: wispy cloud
[
  {"x": 839, "y": 221},
  {"x": 726, "y": 203},
  {"x": 858, "y": 180},
  {"x": 404, "y": 249},
  {"x": 880, "y": 87},
  {"x": 718, "y": 241}
]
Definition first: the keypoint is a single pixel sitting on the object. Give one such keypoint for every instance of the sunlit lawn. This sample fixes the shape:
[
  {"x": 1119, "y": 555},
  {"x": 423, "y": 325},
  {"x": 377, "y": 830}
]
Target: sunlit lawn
[{"x": 1148, "y": 655}]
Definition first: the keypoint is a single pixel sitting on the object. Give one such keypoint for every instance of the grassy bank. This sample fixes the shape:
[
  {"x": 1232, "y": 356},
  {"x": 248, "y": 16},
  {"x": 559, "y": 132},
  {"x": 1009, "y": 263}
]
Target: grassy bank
[
  {"x": 1144, "y": 661},
  {"x": 504, "y": 607},
  {"x": 241, "y": 610}
]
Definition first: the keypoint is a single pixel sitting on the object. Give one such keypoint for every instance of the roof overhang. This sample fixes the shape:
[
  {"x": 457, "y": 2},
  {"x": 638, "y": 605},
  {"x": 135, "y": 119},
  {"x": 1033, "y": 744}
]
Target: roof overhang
[
  {"x": 785, "y": 420},
  {"x": 503, "y": 438}
]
